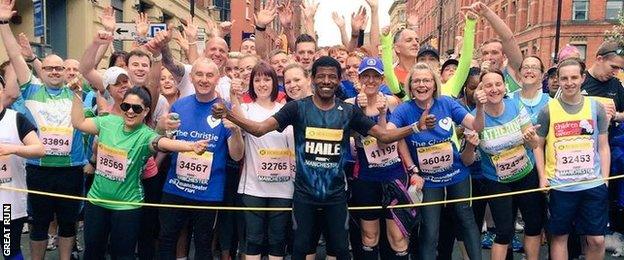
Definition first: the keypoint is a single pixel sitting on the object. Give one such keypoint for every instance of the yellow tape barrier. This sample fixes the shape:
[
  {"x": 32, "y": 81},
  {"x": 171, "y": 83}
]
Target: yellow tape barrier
[{"x": 141, "y": 204}]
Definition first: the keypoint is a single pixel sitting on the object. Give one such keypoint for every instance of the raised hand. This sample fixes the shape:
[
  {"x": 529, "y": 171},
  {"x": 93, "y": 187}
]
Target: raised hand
[
  {"x": 266, "y": 14},
  {"x": 236, "y": 88},
  {"x": 338, "y": 19},
  {"x": 199, "y": 147},
  {"x": 76, "y": 83},
  {"x": 412, "y": 18},
  {"x": 480, "y": 96},
  {"x": 180, "y": 39},
  {"x": 108, "y": 19},
  {"x": 309, "y": 9},
  {"x": 372, "y": 3},
  {"x": 172, "y": 121},
  {"x": 226, "y": 27},
  {"x": 285, "y": 13},
  {"x": 385, "y": 31},
  {"x": 358, "y": 20},
  {"x": 190, "y": 29},
  {"x": 381, "y": 103},
  {"x": 158, "y": 42},
  {"x": 478, "y": 8},
  {"x": 103, "y": 37},
  {"x": 6, "y": 10},
  {"x": 362, "y": 100},
  {"x": 472, "y": 137},
  {"x": 26, "y": 49},
  {"x": 469, "y": 13},
  {"x": 426, "y": 121},
  {"x": 529, "y": 133},
  {"x": 142, "y": 24}
]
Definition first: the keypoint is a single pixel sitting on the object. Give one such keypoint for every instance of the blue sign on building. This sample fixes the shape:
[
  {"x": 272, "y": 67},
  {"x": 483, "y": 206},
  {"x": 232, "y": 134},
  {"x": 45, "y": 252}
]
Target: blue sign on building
[{"x": 39, "y": 21}]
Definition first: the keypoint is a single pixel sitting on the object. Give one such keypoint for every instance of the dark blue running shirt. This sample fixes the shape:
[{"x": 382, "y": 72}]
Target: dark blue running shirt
[{"x": 321, "y": 146}]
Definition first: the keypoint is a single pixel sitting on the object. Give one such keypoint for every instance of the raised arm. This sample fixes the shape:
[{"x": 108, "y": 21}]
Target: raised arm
[
  {"x": 78, "y": 119},
  {"x": 374, "y": 29},
  {"x": 155, "y": 46},
  {"x": 29, "y": 54},
  {"x": 339, "y": 21},
  {"x": 309, "y": 11},
  {"x": 10, "y": 44},
  {"x": 285, "y": 14},
  {"x": 88, "y": 61},
  {"x": 264, "y": 16},
  {"x": 358, "y": 23},
  {"x": 388, "y": 65},
  {"x": 255, "y": 128},
  {"x": 510, "y": 46},
  {"x": 190, "y": 32},
  {"x": 454, "y": 85}
]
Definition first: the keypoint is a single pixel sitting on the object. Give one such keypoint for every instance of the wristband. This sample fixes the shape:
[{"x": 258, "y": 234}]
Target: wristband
[
  {"x": 92, "y": 162},
  {"x": 141, "y": 40},
  {"x": 4, "y": 21},
  {"x": 260, "y": 29},
  {"x": 401, "y": 93},
  {"x": 33, "y": 59},
  {"x": 411, "y": 169},
  {"x": 157, "y": 58},
  {"x": 192, "y": 43},
  {"x": 415, "y": 128},
  {"x": 155, "y": 143}
]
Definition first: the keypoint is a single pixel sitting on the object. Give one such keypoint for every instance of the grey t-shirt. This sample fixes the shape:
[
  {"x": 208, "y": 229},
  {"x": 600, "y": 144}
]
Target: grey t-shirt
[{"x": 543, "y": 118}]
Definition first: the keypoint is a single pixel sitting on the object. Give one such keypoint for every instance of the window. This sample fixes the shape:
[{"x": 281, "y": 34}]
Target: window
[
  {"x": 579, "y": 10},
  {"x": 582, "y": 49},
  {"x": 614, "y": 7}
]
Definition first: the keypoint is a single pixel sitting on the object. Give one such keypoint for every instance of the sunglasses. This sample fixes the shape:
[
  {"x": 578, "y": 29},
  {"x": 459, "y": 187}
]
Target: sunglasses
[
  {"x": 136, "y": 108},
  {"x": 53, "y": 68}
]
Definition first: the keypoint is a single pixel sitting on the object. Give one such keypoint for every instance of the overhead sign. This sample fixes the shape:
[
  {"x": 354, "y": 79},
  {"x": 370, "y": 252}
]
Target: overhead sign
[
  {"x": 127, "y": 31},
  {"x": 39, "y": 26}
]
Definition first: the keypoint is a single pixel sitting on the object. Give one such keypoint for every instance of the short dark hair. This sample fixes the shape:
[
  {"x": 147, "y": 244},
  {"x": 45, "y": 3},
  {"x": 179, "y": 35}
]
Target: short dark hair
[
  {"x": 495, "y": 71},
  {"x": 610, "y": 48},
  {"x": 116, "y": 55},
  {"x": 304, "y": 38},
  {"x": 326, "y": 61},
  {"x": 571, "y": 62},
  {"x": 263, "y": 69},
  {"x": 138, "y": 53}
]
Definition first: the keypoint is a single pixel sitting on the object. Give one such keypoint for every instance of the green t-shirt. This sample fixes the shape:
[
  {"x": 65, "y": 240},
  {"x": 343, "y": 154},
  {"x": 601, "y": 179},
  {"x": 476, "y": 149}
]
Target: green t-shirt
[{"x": 121, "y": 157}]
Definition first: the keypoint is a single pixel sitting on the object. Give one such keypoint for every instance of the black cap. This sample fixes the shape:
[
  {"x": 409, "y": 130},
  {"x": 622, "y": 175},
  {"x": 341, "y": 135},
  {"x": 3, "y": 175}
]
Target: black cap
[
  {"x": 551, "y": 72},
  {"x": 449, "y": 62},
  {"x": 428, "y": 49}
]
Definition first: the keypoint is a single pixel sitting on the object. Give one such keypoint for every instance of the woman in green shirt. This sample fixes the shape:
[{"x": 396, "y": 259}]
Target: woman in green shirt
[{"x": 125, "y": 143}]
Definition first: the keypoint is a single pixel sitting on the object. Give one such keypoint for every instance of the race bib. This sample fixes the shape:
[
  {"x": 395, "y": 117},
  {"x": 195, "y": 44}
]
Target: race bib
[
  {"x": 575, "y": 159},
  {"x": 510, "y": 162},
  {"x": 435, "y": 158},
  {"x": 57, "y": 140},
  {"x": 5, "y": 170},
  {"x": 376, "y": 154},
  {"x": 274, "y": 165},
  {"x": 112, "y": 163},
  {"x": 194, "y": 168}
]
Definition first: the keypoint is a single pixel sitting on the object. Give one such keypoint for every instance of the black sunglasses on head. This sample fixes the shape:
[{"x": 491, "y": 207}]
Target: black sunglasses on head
[
  {"x": 136, "y": 108},
  {"x": 619, "y": 52}
]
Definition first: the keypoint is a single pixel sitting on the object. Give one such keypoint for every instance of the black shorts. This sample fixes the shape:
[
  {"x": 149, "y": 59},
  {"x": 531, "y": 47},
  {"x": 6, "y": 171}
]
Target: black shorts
[{"x": 368, "y": 193}]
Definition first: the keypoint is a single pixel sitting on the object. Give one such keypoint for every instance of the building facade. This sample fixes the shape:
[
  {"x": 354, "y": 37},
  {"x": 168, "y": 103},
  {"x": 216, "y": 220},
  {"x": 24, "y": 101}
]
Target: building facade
[
  {"x": 532, "y": 21},
  {"x": 70, "y": 25},
  {"x": 397, "y": 15}
]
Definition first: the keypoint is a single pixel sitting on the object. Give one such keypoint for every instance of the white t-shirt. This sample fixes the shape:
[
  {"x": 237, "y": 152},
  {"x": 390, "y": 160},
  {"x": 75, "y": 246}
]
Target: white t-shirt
[
  {"x": 12, "y": 167},
  {"x": 186, "y": 88},
  {"x": 268, "y": 169}
]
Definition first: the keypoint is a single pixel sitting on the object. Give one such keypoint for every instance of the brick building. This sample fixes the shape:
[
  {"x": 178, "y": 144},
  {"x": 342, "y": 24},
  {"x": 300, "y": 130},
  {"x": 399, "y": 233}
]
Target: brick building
[{"x": 532, "y": 21}]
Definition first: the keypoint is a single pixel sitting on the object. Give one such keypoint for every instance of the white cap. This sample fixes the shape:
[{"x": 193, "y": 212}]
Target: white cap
[{"x": 111, "y": 75}]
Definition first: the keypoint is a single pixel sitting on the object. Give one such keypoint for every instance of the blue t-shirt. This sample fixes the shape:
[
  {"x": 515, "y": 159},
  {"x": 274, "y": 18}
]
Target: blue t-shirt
[
  {"x": 533, "y": 106},
  {"x": 387, "y": 164},
  {"x": 504, "y": 158},
  {"x": 437, "y": 157},
  {"x": 321, "y": 147},
  {"x": 188, "y": 175},
  {"x": 350, "y": 91}
]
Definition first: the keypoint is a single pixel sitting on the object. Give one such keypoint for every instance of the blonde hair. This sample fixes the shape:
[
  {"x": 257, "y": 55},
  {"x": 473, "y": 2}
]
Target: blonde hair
[
  {"x": 434, "y": 74},
  {"x": 295, "y": 65}
]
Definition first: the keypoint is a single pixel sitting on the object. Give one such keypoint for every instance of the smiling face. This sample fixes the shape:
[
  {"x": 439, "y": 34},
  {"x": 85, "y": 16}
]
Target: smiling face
[
  {"x": 245, "y": 66},
  {"x": 371, "y": 81},
  {"x": 231, "y": 68},
  {"x": 263, "y": 86},
  {"x": 132, "y": 119},
  {"x": 167, "y": 83},
  {"x": 71, "y": 69},
  {"x": 52, "y": 67},
  {"x": 204, "y": 76},
  {"x": 217, "y": 50},
  {"x": 351, "y": 68},
  {"x": 304, "y": 54},
  {"x": 494, "y": 86},
  {"x": 531, "y": 71},
  {"x": 278, "y": 62},
  {"x": 422, "y": 85},
  {"x": 493, "y": 52},
  {"x": 138, "y": 69},
  {"x": 326, "y": 81},
  {"x": 570, "y": 81},
  {"x": 296, "y": 83},
  {"x": 408, "y": 44},
  {"x": 118, "y": 90}
]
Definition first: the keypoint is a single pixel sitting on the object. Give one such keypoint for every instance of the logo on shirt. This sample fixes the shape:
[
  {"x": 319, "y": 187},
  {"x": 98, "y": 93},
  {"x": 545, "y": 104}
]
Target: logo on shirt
[
  {"x": 446, "y": 123},
  {"x": 213, "y": 122}
]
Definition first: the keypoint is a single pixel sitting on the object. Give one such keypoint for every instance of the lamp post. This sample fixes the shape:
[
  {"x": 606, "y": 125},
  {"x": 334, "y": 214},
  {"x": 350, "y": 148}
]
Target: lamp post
[{"x": 557, "y": 31}]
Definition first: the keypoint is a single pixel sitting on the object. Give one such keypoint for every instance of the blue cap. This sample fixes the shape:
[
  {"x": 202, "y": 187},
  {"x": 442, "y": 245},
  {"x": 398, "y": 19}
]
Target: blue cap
[{"x": 369, "y": 63}]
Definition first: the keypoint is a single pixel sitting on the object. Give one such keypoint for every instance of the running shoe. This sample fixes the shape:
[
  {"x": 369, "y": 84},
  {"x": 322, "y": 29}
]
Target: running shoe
[
  {"x": 51, "y": 243},
  {"x": 25, "y": 229},
  {"x": 516, "y": 244},
  {"x": 488, "y": 240}
]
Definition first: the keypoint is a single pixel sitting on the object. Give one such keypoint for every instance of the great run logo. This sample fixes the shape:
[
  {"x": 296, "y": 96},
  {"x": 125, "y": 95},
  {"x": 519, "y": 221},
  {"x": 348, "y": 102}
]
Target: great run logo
[{"x": 6, "y": 230}]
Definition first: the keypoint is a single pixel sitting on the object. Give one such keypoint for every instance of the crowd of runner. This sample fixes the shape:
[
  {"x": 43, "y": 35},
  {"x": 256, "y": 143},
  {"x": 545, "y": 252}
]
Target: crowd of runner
[{"x": 316, "y": 129}]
